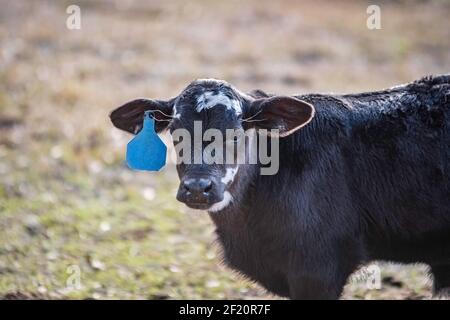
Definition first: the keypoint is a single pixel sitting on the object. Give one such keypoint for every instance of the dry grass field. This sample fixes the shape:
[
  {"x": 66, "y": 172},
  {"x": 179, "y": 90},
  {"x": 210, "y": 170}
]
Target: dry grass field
[{"x": 66, "y": 198}]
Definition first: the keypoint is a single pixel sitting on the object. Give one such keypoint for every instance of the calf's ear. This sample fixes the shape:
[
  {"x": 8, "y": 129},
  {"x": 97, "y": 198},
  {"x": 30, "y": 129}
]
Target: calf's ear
[
  {"x": 287, "y": 114},
  {"x": 130, "y": 116}
]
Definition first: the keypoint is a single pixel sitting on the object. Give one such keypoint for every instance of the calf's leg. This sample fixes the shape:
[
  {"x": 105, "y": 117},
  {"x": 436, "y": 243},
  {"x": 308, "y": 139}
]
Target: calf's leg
[
  {"x": 312, "y": 287},
  {"x": 321, "y": 278},
  {"x": 441, "y": 281}
]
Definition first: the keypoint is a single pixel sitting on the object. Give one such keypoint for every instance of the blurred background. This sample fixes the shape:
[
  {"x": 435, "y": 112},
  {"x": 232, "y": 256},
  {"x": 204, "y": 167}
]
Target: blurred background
[{"x": 74, "y": 221}]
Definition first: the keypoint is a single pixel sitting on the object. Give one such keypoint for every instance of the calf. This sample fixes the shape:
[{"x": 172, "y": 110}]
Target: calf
[{"x": 361, "y": 177}]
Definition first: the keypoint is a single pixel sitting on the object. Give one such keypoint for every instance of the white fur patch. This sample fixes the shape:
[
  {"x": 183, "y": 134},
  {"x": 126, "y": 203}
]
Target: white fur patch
[
  {"x": 175, "y": 112},
  {"x": 229, "y": 175},
  {"x": 399, "y": 86},
  {"x": 227, "y": 198},
  {"x": 210, "y": 99}
]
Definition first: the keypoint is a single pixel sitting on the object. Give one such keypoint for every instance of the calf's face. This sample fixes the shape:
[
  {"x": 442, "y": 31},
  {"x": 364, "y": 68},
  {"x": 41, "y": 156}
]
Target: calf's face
[{"x": 213, "y": 112}]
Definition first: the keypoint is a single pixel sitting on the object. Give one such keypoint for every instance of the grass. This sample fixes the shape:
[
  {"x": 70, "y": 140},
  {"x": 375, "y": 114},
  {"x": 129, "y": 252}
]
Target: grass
[{"x": 67, "y": 202}]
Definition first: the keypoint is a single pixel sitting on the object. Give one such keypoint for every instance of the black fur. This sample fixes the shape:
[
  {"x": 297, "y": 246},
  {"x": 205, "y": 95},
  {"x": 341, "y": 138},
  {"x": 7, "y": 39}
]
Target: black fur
[{"x": 368, "y": 178}]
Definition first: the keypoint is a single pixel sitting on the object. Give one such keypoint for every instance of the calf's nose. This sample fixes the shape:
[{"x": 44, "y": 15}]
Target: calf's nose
[{"x": 198, "y": 187}]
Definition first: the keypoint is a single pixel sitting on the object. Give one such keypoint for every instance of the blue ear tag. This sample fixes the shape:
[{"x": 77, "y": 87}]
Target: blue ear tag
[{"x": 146, "y": 151}]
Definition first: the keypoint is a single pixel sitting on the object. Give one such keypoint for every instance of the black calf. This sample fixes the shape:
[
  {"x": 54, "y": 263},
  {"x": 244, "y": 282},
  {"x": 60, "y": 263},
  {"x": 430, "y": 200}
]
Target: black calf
[{"x": 367, "y": 178}]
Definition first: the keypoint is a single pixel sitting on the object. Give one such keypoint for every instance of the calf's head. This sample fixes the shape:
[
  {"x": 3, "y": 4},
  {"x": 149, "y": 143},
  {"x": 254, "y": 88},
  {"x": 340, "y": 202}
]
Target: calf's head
[{"x": 213, "y": 104}]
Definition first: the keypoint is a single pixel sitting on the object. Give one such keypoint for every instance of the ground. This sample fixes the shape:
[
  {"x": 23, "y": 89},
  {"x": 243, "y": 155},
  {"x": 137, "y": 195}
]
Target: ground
[{"x": 74, "y": 221}]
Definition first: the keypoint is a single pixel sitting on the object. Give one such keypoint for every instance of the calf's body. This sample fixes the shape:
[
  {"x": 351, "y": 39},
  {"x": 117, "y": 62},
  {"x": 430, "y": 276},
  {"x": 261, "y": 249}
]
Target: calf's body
[
  {"x": 361, "y": 177},
  {"x": 368, "y": 178}
]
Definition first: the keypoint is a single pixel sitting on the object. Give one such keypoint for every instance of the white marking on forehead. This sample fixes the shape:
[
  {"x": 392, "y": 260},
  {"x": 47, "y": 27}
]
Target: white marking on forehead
[
  {"x": 227, "y": 198},
  {"x": 210, "y": 99},
  {"x": 229, "y": 175}
]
